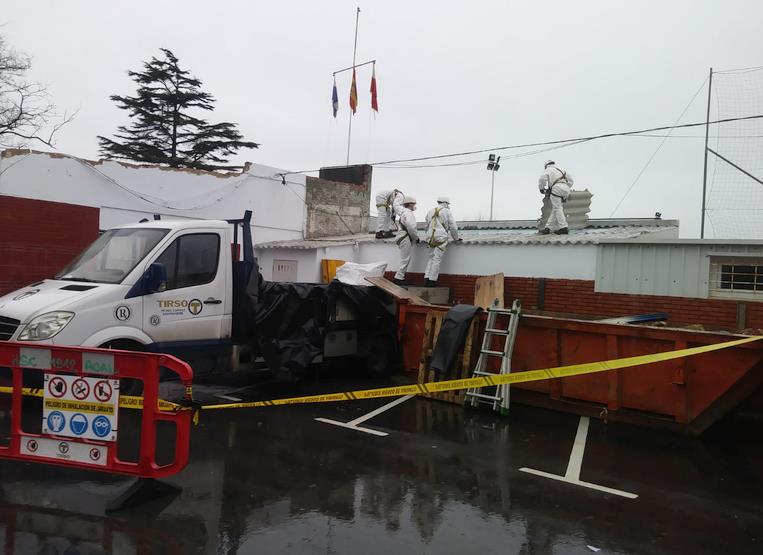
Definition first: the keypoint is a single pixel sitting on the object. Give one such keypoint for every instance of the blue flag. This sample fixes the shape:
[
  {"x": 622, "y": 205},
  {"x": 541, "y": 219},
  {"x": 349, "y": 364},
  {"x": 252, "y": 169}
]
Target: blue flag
[{"x": 335, "y": 99}]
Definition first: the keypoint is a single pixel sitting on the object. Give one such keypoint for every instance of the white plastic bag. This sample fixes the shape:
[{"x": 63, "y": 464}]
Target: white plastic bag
[{"x": 352, "y": 273}]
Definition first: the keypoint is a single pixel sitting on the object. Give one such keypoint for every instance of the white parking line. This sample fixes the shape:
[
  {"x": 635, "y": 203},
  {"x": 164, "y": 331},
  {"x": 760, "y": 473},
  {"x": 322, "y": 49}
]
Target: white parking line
[
  {"x": 572, "y": 476},
  {"x": 229, "y": 398},
  {"x": 353, "y": 424}
]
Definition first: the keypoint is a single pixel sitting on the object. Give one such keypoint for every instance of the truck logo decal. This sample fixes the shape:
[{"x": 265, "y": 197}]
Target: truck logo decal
[
  {"x": 155, "y": 320},
  {"x": 25, "y": 294},
  {"x": 195, "y": 306},
  {"x": 122, "y": 313}
]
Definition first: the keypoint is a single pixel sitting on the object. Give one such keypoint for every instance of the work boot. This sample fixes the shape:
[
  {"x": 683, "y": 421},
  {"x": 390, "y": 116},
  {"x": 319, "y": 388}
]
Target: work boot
[
  {"x": 562, "y": 231},
  {"x": 432, "y": 283},
  {"x": 545, "y": 231},
  {"x": 389, "y": 234},
  {"x": 427, "y": 282},
  {"x": 380, "y": 235},
  {"x": 399, "y": 282}
]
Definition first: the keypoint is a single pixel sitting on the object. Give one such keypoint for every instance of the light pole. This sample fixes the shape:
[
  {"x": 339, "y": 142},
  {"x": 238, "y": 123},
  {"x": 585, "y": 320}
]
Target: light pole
[{"x": 492, "y": 166}]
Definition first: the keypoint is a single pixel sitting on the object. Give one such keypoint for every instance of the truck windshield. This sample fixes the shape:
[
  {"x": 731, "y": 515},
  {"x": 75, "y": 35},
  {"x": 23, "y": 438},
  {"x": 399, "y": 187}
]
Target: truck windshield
[{"x": 113, "y": 255}]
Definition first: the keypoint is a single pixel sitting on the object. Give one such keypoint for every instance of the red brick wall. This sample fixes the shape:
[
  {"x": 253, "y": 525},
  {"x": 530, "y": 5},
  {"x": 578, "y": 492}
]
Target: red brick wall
[
  {"x": 38, "y": 238},
  {"x": 578, "y": 297}
]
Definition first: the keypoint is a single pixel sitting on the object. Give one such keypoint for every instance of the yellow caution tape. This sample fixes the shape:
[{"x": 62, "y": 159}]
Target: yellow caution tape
[
  {"x": 131, "y": 402},
  {"x": 125, "y": 401},
  {"x": 486, "y": 381}
]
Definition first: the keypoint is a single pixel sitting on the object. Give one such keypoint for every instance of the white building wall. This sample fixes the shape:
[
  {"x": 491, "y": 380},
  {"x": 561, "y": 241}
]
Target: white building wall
[
  {"x": 550, "y": 261},
  {"x": 127, "y": 193},
  {"x": 563, "y": 261},
  {"x": 308, "y": 260}
]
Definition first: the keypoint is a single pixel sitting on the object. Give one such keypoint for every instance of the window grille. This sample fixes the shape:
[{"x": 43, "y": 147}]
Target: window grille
[{"x": 736, "y": 278}]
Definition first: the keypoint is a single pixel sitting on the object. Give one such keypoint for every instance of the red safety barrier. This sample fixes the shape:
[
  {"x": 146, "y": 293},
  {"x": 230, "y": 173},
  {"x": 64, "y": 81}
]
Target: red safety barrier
[{"x": 81, "y": 399}]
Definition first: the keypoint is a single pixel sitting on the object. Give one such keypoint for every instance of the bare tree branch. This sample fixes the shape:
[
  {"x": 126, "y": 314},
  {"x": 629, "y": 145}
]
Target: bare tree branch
[{"x": 27, "y": 113}]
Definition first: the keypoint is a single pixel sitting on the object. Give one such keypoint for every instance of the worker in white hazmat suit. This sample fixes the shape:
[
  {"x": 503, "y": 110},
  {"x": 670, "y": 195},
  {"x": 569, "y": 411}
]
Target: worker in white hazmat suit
[
  {"x": 406, "y": 238},
  {"x": 555, "y": 183},
  {"x": 389, "y": 204},
  {"x": 441, "y": 228}
]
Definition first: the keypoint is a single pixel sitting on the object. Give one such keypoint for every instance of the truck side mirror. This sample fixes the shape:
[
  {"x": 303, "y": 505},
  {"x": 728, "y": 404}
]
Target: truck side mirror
[{"x": 153, "y": 280}]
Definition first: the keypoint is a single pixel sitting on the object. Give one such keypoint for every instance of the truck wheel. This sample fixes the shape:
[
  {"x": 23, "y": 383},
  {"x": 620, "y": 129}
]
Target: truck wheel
[{"x": 127, "y": 386}]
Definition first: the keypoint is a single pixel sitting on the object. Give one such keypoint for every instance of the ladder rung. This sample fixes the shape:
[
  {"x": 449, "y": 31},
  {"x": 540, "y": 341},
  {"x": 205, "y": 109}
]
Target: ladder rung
[
  {"x": 483, "y": 396},
  {"x": 502, "y": 310},
  {"x": 492, "y": 353},
  {"x": 497, "y": 332},
  {"x": 482, "y": 373}
]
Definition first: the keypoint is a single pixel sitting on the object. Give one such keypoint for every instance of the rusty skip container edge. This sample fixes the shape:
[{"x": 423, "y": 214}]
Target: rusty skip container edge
[{"x": 686, "y": 395}]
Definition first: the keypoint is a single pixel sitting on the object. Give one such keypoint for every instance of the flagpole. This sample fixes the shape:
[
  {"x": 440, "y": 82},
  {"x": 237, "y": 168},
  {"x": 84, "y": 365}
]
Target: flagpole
[{"x": 354, "y": 52}]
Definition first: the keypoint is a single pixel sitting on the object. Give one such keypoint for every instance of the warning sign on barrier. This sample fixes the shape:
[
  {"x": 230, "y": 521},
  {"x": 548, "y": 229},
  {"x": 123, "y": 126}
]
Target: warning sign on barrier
[
  {"x": 49, "y": 448},
  {"x": 80, "y": 407}
]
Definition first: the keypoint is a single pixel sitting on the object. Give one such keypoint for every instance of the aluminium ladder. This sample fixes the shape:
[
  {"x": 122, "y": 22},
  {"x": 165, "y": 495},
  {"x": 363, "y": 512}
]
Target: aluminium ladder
[{"x": 500, "y": 397}]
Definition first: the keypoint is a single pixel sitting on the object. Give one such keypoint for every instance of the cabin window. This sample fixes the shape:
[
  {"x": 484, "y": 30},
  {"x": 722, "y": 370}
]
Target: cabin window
[{"x": 736, "y": 278}]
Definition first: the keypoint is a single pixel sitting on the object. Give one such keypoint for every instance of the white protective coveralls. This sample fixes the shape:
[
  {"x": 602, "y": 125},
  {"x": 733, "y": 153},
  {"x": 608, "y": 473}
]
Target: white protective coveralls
[
  {"x": 559, "y": 182},
  {"x": 406, "y": 238},
  {"x": 387, "y": 203},
  {"x": 441, "y": 228}
]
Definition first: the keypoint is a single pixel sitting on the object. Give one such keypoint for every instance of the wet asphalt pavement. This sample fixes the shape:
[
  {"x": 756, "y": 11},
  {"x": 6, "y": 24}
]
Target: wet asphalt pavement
[{"x": 445, "y": 480}]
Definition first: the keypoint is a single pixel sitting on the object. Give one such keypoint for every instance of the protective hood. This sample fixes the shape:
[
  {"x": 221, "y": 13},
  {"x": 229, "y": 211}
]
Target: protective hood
[{"x": 45, "y": 296}]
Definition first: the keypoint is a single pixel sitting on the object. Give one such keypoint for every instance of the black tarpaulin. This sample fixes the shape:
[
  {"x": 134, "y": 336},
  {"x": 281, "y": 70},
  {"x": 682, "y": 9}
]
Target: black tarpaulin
[
  {"x": 455, "y": 327},
  {"x": 292, "y": 318}
]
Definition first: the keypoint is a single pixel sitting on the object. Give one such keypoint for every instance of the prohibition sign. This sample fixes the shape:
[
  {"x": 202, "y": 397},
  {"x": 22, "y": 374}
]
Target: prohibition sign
[
  {"x": 80, "y": 389},
  {"x": 57, "y": 387},
  {"x": 103, "y": 391}
]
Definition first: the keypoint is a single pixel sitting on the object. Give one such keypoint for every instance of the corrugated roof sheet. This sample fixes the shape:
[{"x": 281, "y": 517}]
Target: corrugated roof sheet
[
  {"x": 593, "y": 234},
  {"x": 576, "y": 209}
]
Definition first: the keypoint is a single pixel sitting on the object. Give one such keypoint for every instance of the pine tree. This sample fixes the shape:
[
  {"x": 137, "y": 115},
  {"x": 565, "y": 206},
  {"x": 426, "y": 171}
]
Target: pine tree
[{"x": 162, "y": 130}]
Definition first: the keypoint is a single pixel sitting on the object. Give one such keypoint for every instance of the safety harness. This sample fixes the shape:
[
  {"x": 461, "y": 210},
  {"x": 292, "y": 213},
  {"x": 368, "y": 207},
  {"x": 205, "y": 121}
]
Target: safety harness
[
  {"x": 390, "y": 198},
  {"x": 402, "y": 237},
  {"x": 560, "y": 179},
  {"x": 436, "y": 218}
]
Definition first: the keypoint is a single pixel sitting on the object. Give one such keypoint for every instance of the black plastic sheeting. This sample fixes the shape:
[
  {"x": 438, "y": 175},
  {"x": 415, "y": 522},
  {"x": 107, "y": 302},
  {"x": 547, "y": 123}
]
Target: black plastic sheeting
[
  {"x": 291, "y": 320},
  {"x": 453, "y": 332}
]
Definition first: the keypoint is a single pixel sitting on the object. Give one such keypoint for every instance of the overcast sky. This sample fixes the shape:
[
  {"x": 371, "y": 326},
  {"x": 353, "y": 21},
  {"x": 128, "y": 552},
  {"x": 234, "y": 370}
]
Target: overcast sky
[{"x": 452, "y": 77}]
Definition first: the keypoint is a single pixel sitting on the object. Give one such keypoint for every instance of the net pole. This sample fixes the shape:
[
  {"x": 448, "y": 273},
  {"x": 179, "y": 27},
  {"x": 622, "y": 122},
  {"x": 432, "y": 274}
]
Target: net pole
[{"x": 707, "y": 137}]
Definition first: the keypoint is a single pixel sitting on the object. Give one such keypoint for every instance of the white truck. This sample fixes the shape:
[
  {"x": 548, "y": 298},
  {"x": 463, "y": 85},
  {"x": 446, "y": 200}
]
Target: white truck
[
  {"x": 187, "y": 288},
  {"x": 164, "y": 286}
]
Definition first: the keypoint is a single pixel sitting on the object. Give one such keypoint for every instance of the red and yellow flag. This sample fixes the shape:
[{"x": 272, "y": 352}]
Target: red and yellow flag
[
  {"x": 353, "y": 93},
  {"x": 374, "y": 94}
]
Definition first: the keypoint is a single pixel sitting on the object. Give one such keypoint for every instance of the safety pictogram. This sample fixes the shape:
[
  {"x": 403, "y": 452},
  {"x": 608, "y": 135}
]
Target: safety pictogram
[
  {"x": 103, "y": 391},
  {"x": 32, "y": 445},
  {"x": 95, "y": 454},
  {"x": 101, "y": 426},
  {"x": 80, "y": 389},
  {"x": 80, "y": 407},
  {"x": 57, "y": 387},
  {"x": 63, "y": 447},
  {"x": 56, "y": 422},
  {"x": 78, "y": 424}
]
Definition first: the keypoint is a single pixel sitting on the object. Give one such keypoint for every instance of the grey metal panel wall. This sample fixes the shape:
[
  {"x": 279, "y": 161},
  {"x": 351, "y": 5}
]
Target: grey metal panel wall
[{"x": 675, "y": 270}]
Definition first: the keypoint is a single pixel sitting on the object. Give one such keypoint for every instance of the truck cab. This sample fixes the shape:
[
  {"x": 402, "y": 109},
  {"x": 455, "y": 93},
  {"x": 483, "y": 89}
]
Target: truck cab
[{"x": 163, "y": 286}]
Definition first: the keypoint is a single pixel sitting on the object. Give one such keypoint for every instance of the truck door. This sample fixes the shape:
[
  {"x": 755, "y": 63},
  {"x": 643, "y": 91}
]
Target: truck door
[{"x": 192, "y": 308}]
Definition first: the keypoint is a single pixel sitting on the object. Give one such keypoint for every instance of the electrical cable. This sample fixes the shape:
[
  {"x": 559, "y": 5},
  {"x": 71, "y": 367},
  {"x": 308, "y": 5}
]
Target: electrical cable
[
  {"x": 545, "y": 143},
  {"x": 662, "y": 142}
]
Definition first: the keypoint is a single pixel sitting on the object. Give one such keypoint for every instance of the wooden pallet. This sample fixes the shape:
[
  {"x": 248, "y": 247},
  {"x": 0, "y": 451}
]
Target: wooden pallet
[{"x": 463, "y": 362}]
